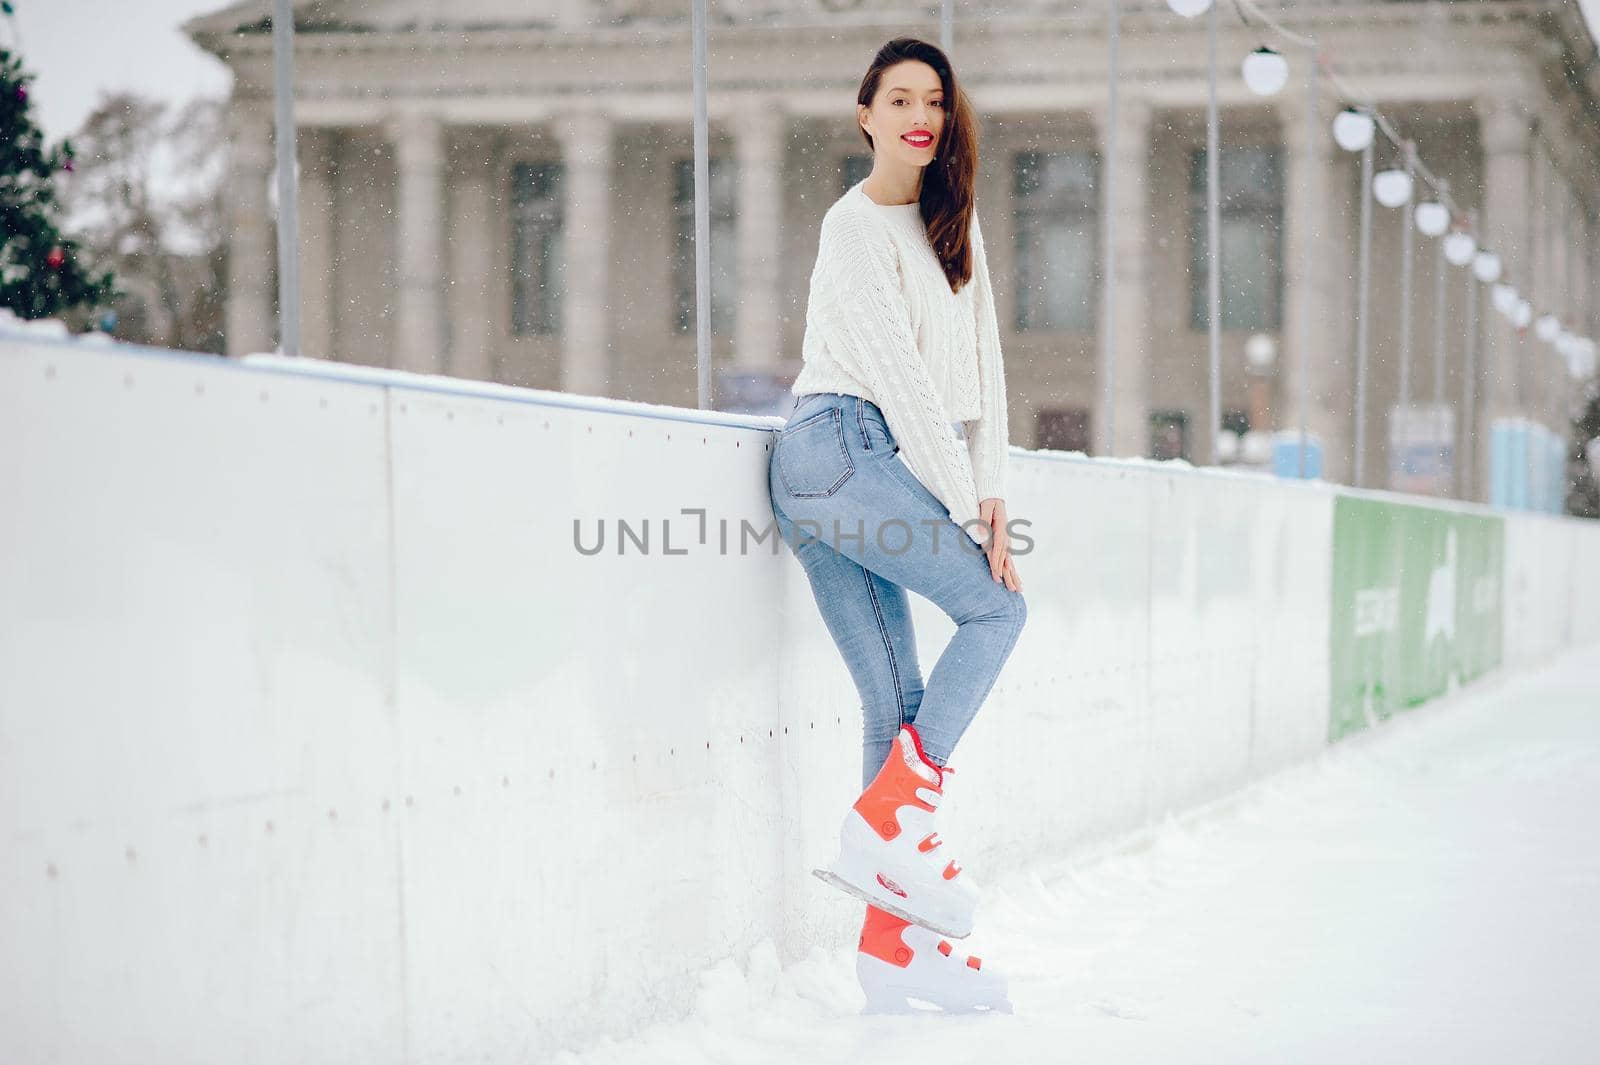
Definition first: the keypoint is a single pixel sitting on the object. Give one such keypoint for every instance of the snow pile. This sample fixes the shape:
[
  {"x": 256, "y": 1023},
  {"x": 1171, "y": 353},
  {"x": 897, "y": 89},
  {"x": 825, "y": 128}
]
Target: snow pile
[{"x": 1423, "y": 892}]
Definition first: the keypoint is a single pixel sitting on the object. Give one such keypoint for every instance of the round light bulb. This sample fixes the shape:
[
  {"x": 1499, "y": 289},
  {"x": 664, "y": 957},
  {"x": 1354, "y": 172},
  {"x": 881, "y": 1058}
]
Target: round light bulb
[
  {"x": 1459, "y": 248},
  {"x": 1580, "y": 358},
  {"x": 1392, "y": 187},
  {"x": 1260, "y": 350},
  {"x": 1585, "y": 357},
  {"x": 1256, "y": 447},
  {"x": 1432, "y": 218},
  {"x": 1265, "y": 71},
  {"x": 1523, "y": 314},
  {"x": 1504, "y": 299},
  {"x": 1353, "y": 129},
  {"x": 1190, "y": 8},
  {"x": 1547, "y": 328},
  {"x": 1486, "y": 267}
]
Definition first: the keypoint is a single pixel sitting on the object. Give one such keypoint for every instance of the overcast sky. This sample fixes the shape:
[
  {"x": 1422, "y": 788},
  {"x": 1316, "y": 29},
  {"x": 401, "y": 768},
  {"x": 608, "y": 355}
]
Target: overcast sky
[{"x": 80, "y": 49}]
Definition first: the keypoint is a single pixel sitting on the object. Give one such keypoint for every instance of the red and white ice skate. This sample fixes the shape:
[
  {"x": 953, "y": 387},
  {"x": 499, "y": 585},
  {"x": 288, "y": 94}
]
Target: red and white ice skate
[
  {"x": 899, "y": 962},
  {"x": 890, "y": 853}
]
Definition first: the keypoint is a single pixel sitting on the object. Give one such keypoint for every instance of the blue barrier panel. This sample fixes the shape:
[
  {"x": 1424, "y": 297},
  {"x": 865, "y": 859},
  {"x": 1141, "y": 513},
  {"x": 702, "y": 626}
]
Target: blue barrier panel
[
  {"x": 1500, "y": 464},
  {"x": 1286, "y": 455}
]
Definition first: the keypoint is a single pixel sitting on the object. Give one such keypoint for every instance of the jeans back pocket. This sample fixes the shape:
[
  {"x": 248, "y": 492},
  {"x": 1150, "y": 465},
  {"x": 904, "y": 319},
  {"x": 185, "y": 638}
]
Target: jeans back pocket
[
  {"x": 877, "y": 434},
  {"x": 811, "y": 456}
]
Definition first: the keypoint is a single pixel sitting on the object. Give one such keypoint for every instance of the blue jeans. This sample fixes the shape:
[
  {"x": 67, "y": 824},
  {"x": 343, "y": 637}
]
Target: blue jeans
[{"x": 866, "y": 530}]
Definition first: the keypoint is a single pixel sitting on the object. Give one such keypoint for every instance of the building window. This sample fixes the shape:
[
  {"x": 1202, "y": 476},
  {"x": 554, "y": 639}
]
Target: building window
[
  {"x": 1169, "y": 434},
  {"x": 1061, "y": 429},
  {"x": 723, "y": 196},
  {"x": 854, "y": 169},
  {"x": 1250, "y": 198},
  {"x": 538, "y": 263},
  {"x": 1057, "y": 220}
]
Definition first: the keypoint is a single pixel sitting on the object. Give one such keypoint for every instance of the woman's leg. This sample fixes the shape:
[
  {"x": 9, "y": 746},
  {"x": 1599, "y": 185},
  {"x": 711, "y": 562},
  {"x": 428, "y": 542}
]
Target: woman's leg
[
  {"x": 870, "y": 620},
  {"x": 835, "y": 477}
]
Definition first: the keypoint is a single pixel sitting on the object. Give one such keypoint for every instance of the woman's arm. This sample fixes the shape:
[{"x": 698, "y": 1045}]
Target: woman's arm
[
  {"x": 988, "y": 440},
  {"x": 869, "y": 330}
]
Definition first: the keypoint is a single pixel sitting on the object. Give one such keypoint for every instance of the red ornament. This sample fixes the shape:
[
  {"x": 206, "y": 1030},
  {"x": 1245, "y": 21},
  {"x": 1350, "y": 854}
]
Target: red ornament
[
  {"x": 54, "y": 258},
  {"x": 22, "y": 92}
]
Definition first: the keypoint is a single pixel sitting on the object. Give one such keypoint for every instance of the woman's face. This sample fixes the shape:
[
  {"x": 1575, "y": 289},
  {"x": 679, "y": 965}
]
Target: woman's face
[{"x": 909, "y": 102}]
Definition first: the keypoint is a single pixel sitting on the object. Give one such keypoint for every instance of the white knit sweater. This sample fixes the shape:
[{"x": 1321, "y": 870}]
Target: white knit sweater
[{"x": 882, "y": 324}]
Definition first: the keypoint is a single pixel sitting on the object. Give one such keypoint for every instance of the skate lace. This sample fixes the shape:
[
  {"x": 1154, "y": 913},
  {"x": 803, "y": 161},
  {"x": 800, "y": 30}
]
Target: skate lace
[
  {"x": 935, "y": 847},
  {"x": 929, "y": 795}
]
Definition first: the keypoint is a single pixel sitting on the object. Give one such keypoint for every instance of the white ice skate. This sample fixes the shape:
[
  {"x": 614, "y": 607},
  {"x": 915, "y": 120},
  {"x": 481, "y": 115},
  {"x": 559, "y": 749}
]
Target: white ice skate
[
  {"x": 899, "y": 963},
  {"x": 890, "y": 853}
]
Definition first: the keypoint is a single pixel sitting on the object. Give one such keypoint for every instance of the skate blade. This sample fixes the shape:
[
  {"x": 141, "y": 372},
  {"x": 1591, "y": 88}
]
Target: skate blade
[
  {"x": 891, "y": 904},
  {"x": 901, "y": 1003},
  {"x": 871, "y": 1010}
]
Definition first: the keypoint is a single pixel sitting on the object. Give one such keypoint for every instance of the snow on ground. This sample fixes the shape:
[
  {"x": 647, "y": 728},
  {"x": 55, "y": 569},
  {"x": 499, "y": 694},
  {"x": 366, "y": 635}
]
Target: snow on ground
[{"x": 1425, "y": 892}]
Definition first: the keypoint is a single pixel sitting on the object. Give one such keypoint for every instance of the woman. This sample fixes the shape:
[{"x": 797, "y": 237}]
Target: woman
[{"x": 876, "y": 494}]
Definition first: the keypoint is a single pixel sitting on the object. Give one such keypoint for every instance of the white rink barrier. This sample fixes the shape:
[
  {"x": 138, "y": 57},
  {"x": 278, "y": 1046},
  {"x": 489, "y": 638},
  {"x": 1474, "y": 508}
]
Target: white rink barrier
[
  {"x": 1552, "y": 588},
  {"x": 321, "y": 741}
]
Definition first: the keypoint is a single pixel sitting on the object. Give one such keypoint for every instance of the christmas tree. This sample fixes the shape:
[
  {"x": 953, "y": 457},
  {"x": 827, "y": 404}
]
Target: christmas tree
[{"x": 40, "y": 272}]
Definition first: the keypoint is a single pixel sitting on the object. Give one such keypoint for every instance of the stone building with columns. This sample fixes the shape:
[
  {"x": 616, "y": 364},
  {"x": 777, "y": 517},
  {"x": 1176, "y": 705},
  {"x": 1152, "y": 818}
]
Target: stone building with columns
[{"x": 503, "y": 190}]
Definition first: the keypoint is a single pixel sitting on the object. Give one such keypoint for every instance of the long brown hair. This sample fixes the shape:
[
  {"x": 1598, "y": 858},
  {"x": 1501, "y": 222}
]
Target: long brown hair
[{"x": 947, "y": 182}]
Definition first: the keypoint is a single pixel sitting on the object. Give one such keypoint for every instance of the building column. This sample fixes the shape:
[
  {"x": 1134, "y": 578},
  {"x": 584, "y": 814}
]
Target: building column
[
  {"x": 586, "y": 144},
  {"x": 476, "y": 227},
  {"x": 759, "y": 146},
  {"x": 252, "y": 299},
  {"x": 317, "y": 147},
  {"x": 420, "y": 337},
  {"x": 1125, "y": 209},
  {"x": 1506, "y": 136},
  {"x": 1315, "y": 368}
]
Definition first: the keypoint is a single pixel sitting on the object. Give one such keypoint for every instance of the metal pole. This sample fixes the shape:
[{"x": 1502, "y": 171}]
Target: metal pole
[
  {"x": 1213, "y": 238},
  {"x": 1108, "y": 249},
  {"x": 1308, "y": 260},
  {"x": 1549, "y": 383},
  {"x": 1440, "y": 267},
  {"x": 1527, "y": 264},
  {"x": 288, "y": 183},
  {"x": 947, "y": 30},
  {"x": 1563, "y": 370},
  {"x": 1591, "y": 275},
  {"x": 1467, "y": 453},
  {"x": 1408, "y": 260},
  {"x": 1362, "y": 324},
  {"x": 1539, "y": 291},
  {"x": 702, "y": 210},
  {"x": 1569, "y": 309}
]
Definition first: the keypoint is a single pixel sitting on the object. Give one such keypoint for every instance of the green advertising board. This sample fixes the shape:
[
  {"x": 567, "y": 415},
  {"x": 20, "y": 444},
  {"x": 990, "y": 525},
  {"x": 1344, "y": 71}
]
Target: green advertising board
[{"x": 1415, "y": 607}]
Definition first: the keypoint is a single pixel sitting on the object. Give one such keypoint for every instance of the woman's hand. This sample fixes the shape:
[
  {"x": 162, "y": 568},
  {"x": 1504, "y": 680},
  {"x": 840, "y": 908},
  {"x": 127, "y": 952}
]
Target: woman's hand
[{"x": 1001, "y": 568}]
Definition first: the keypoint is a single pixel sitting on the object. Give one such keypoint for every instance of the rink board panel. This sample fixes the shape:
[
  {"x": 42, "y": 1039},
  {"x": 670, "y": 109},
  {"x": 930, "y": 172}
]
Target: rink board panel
[
  {"x": 196, "y": 726},
  {"x": 1543, "y": 566},
  {"x": 1416, "y": 605},
  {"x": 600, "y": 822}
]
